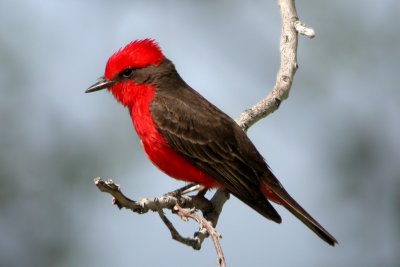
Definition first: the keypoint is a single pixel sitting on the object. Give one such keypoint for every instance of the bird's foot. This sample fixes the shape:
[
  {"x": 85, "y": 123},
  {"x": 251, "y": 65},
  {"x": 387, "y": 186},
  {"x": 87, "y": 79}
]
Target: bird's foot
[{"x": 185, "y": 190}]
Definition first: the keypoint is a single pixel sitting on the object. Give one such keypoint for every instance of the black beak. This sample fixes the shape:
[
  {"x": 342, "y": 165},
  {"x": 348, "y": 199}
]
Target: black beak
[{"x": 100, "y": 85}]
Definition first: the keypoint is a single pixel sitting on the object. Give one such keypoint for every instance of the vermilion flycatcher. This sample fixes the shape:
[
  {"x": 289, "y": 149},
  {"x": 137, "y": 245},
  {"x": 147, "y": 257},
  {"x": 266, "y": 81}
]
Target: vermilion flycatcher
[{"x": 190, "y": 139}]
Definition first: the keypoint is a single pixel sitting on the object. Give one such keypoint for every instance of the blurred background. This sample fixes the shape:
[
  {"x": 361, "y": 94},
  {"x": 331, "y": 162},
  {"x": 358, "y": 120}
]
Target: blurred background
[{"x": 334, "y": 143}]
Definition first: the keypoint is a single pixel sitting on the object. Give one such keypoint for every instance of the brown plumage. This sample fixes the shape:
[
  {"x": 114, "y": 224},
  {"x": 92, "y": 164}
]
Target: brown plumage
[{"x": 213, "y": 142}]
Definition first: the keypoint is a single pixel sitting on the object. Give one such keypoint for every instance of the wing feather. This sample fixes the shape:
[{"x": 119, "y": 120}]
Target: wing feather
[{"x": 212, "y": 141}]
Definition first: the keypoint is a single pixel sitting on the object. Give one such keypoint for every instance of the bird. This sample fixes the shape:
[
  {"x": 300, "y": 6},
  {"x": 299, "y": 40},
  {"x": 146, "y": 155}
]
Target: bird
[{"x": 190, "y": 139}]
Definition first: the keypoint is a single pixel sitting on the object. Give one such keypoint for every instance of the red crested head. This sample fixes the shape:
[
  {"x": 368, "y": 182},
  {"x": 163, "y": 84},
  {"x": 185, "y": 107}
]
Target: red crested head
[
  {"x": 135, "y": 55},
  {"x": 129, "y": 70},
  {"x": 132, "y": 70}
]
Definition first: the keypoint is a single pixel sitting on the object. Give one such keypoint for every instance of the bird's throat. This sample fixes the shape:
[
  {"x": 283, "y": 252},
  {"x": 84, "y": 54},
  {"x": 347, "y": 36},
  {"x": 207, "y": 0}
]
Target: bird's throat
[{"x": 138, "y": 102}]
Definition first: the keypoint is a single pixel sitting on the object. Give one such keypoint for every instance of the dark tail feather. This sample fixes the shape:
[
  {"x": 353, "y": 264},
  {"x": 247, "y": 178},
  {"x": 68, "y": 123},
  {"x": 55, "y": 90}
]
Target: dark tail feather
[
  {"x": 263, "y": 207},
  {"x": 289, "y": 203}
]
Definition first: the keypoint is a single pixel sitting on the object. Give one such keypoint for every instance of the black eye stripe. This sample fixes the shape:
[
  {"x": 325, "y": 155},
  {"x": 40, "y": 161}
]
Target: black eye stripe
[{"x": 126, "y": 73}]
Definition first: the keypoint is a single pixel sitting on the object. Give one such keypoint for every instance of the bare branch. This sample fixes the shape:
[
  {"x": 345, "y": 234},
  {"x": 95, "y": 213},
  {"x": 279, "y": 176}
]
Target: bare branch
[
  {"x": 287, "y": 69},
  {"x": 175, "y": 203},
  {"x": 206, "y": 225},
  {"x": 167, "y": 201},
  {"x": 217, "y": 202},
  {"x": 195, "y": 243}
]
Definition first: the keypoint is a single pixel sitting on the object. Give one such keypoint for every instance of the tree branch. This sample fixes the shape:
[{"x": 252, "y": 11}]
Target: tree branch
[
  {"x": 211, "y": 209},
  {"x": 206, "y": 226},
  {"x": 287, "y": 68},
  {"x": 195, "y": 242},
  {"x": 142, "y": 206},
  {"x": 184, "y": 206}
]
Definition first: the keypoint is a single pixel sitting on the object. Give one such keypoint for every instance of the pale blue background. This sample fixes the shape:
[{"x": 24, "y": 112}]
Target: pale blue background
[{"x": 334, "y": 143}]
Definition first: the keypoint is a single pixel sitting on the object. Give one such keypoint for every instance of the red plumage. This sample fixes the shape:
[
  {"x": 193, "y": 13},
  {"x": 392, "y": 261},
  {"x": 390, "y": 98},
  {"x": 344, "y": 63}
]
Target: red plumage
[
  {"x": 137, "y": 54},
  {"x": 137, "y": 97}
]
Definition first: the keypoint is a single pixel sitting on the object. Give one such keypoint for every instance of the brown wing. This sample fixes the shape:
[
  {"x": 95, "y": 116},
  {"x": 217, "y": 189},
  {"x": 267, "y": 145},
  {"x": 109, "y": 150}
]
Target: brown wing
[{"x": 213, "y": 142}]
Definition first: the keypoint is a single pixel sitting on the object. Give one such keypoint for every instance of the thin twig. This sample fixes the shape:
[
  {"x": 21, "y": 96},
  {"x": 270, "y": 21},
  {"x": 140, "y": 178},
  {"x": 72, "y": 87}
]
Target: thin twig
[
  {"x": 204, "y": 224},
  {"x": 302, "y": 29},
  {"x": 195, "y": 243}
]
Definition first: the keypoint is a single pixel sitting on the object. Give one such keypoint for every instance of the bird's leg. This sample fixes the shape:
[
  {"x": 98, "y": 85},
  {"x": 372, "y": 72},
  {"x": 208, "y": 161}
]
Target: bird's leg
[
  {"x": 195, "y": 187},
  {"x": 185, "y": 190},
  {"x": 202, "y": 191}
]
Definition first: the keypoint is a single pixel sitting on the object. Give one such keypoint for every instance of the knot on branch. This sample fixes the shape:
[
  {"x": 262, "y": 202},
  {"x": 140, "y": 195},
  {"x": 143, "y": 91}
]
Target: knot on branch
[{"x": 302, "y": 29}]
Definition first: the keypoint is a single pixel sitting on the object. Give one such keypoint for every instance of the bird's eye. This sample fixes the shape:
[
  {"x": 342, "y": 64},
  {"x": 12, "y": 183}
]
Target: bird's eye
[{"x": 126, "y": 73}]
